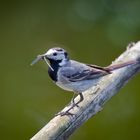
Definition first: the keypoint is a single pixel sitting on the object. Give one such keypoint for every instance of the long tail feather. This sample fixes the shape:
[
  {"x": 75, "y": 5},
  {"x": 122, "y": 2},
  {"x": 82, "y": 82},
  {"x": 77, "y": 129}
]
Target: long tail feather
[{"x": 121, "y": 65}]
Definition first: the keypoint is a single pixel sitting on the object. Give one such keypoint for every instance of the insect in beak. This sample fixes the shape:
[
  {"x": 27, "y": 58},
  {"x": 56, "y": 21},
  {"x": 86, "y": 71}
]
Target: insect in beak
[
  {"x": 48, "y": 63},
  {"x": 41, "y": 57}
]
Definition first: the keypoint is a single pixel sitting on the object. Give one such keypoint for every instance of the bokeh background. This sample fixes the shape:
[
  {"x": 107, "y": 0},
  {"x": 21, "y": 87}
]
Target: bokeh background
[{"x": 93, "y": 31}]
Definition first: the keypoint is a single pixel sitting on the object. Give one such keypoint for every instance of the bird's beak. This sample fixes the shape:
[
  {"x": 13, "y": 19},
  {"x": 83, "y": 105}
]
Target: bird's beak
[{"x": 39, "y": 57}]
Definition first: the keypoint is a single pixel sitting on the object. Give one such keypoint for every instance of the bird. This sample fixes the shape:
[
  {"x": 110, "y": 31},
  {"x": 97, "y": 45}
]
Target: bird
[{"x": 74, "y": 76}]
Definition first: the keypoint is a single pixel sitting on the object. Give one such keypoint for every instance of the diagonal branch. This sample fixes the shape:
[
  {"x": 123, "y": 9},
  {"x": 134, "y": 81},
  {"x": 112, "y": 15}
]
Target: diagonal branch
[{"x": 61, "y": 127}]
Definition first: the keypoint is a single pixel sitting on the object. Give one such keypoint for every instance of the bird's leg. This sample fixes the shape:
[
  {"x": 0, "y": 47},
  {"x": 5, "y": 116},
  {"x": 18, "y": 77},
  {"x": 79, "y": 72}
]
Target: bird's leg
[
  {"x": 72, "y": 100},
  {"x": 76, "y": 104},
  {"x": 73, "y": 105}
]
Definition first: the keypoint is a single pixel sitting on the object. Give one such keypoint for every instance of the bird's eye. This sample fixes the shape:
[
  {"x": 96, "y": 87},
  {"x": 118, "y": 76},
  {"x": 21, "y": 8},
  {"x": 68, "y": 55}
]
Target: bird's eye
[{"x": 54, "y": 54}]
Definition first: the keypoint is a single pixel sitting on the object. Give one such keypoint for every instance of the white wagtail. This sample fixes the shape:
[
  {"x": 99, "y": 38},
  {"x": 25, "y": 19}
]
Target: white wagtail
[{"x": 74, "y": 76}]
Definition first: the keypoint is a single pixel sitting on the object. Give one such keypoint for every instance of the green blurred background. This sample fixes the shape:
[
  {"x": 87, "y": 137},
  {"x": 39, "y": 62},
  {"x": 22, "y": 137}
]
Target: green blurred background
[{"x": 93, "y": 31}]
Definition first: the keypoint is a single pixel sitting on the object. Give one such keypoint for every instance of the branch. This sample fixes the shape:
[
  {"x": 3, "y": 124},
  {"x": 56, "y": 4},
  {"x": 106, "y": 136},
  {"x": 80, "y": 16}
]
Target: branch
[{"x": 61, "y": 127}]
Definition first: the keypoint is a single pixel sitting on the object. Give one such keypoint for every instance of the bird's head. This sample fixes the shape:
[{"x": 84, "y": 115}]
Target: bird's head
[{"x": 54, "y": 55}]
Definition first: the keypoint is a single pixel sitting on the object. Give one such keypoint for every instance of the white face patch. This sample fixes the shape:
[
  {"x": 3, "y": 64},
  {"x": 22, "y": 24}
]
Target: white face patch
[{"x": 55, "y": 54}]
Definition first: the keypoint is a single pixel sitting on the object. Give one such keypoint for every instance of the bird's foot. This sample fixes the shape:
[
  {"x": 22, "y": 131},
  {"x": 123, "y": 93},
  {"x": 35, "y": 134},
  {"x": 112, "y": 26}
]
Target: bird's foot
[
  {"x": 72, "y": 106},
  {"x": 67, "y": 113},
  {"x": 73, "y": 103}
]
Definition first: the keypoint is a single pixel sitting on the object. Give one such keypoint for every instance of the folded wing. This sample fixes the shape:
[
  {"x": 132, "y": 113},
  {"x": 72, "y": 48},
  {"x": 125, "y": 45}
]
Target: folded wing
[{"x": 79, "y": 72}]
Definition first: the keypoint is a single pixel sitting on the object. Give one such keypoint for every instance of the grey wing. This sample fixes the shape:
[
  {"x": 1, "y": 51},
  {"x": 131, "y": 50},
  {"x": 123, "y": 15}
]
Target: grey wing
[{"x": 81, "y": 72}]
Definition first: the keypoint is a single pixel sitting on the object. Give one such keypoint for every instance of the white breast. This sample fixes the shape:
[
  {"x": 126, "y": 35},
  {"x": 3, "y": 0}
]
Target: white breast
[{"x": 79, "y": 86}]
